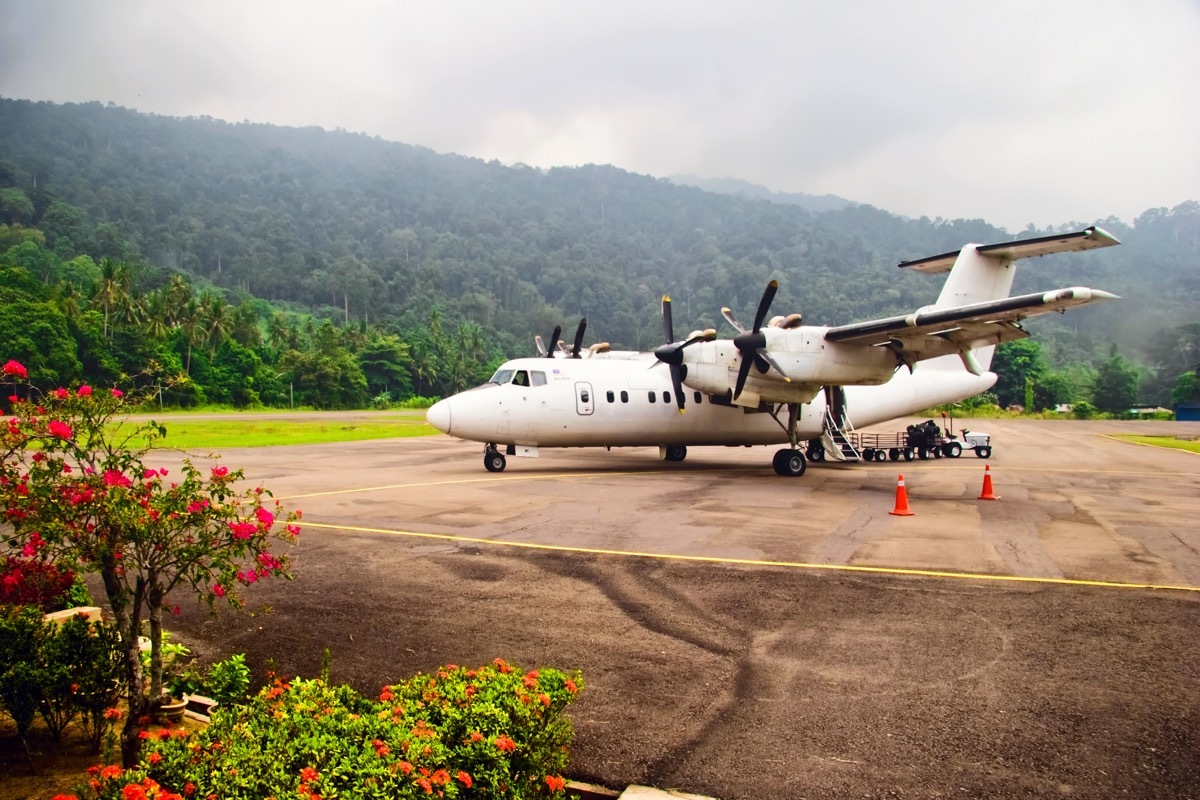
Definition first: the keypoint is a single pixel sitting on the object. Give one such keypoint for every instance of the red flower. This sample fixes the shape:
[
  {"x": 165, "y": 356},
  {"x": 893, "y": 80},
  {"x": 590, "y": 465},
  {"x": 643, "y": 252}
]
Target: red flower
[
  {"x": 531, "y": 679},
  {"x": 154, "y": 758},
  {"x": 117, "y": 393},
  {"x": 60, "y": 429},
  {"x": 242, "y": 530},
  {"x": 133, "y": 792},
  {"x": 64, "y": 797},
  {"x": 571, "y": 687},
  {"x": 425, "y": 785},
  {"x": 220, "y": 472},
  {"x": 308, "y": 775},
  {"x": 504, "y": 744},
  {"x": 111, "y": 771},
  {"x": 61, "y": 393},
  {"x": 555, "y": 783},
  {"x": 114, "y": 478},
  {"x": 85, "y": 390},
  {"x": 265, "y": 517},
  {"x": 464, "y": 778},
  {"x": 15, "y": 368},
  {"x": 386, "y": 695},
  {"x": 476, "y": 736},
  {"x": 218, "y": 590}
]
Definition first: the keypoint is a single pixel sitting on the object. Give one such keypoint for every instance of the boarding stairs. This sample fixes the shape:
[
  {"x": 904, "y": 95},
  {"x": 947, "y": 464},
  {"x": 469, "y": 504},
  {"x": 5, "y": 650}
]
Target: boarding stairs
[{"x": 836, "y": 438}]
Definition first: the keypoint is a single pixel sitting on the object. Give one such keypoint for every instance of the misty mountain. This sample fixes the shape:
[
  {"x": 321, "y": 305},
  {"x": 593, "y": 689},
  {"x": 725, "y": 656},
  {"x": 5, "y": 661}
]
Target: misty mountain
[
  {"x": 740, "y": 188},
  {"x": 361, "y": 228}
]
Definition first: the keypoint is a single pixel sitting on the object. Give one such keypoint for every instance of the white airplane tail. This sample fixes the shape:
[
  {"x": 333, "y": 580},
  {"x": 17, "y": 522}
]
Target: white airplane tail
[{"x": 979, "y": 273}]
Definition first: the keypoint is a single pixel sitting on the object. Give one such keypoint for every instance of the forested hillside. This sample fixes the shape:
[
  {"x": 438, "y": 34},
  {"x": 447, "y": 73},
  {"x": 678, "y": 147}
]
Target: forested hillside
[{"x": 461, "y": 261}]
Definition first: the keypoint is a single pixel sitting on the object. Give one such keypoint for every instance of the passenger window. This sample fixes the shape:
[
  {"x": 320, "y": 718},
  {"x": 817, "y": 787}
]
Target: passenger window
[
  {"x": 698, "y": 397},
  {"x": 584, "y": 397},
  {"x": 539, "y": 378},
  {"x": 611, "y": 397},
  {"x": 666, "y": 397},
  {"x": 624, "y": 396},
  {"x": 652, "y": 397}
]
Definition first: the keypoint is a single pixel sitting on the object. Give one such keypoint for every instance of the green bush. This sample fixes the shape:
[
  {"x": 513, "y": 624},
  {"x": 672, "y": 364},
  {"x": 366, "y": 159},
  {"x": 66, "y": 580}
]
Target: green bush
[
  {"x": 64, "y": 671},
  {"x": 490, "y": 732},
  {"x": 227, "y": 682},
  {"x": 1083, "y": 410}
]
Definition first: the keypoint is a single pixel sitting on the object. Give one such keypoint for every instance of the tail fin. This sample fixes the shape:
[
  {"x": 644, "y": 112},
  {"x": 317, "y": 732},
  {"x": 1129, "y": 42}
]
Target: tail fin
[{"x": 982, "y": 272}]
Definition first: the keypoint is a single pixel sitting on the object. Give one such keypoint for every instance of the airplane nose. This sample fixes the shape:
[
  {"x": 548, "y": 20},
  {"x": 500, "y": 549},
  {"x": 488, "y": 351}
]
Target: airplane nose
[{"x": 438, "y": 415}]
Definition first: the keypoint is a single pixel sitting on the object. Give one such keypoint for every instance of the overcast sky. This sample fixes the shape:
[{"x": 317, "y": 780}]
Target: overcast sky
[{"x": 1016, "y": 111}]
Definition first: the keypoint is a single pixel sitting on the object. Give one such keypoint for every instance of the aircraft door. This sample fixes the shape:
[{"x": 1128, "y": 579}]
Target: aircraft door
[{"x": 584, "y": 401}]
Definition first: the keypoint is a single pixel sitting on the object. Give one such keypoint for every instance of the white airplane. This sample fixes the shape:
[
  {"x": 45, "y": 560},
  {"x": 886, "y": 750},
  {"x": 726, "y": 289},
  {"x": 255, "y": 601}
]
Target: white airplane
[{"x": 779, "y": 383}]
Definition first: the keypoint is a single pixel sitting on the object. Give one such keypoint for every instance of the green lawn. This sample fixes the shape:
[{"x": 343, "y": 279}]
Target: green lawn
[
  {"x": 1192, "y": 445},
  {"x": 185, "y": 433}
]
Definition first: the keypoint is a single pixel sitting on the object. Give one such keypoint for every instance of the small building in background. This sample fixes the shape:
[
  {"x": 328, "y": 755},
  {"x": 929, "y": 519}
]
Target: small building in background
[{"x": 1187, "y": 412}]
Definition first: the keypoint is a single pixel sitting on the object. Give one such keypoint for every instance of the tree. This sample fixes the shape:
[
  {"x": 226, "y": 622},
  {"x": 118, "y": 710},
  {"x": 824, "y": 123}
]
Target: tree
[
  {"x": 1116, "y": 388},
  {"x": 1187, "y": 389},
  {"x": 1014, "y": 363},
  {"x": 75, "y": 489}
]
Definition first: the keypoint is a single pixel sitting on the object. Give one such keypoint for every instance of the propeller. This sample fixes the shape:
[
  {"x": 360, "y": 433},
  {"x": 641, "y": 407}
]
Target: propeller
[
  {"x": 671, "y": 353},
  {"x": 541, "y": 346},
  {"x": 553, "y": 341},
  {"x": 752, "y": 344},
  {"x": 579, "y": 337}
]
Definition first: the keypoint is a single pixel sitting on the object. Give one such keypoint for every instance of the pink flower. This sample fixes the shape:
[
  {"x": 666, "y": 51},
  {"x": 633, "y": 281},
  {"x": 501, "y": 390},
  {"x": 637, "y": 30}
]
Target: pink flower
[
  {"x": 220, "y": 472},
  {"x": 218, "y": 590},
  {"x": 60, "y": 429},
  {"x": 61, "y": 393},
  {"x": 242, "y": 530},
  {"x": 196, "y": 506},
  {"x": 16, "y": 369},
  {"x": 85, "y": 390},
  {"x": 117, "y": 393},
  {"x": 114, "y": 478},
  {"x": 265, "y": 517}
]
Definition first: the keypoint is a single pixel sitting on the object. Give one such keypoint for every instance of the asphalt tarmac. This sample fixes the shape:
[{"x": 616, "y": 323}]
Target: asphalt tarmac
[{"x": 744, "y": 635}]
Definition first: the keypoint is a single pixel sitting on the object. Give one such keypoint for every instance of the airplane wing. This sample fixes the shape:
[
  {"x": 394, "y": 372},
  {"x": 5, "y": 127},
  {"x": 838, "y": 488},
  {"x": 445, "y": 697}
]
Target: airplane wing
[{"x": 944, "y": 331}]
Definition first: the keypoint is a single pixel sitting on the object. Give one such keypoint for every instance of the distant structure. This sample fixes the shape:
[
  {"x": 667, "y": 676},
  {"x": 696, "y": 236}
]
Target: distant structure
[{"x": 1187, "y": 412}]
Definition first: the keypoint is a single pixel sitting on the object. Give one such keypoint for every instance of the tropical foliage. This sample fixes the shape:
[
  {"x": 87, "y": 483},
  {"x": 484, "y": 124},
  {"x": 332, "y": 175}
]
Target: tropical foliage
[
  {"x": 274, "y": 265},
  {"x": 75, "y": 489}
]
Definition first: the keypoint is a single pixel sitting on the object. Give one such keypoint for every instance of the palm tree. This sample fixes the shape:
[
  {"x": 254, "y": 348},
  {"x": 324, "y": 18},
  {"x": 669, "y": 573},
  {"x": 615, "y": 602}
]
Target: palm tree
[
  {"x": 191, "y": 323},
  {"x": 216, "y": 320},
  {"x": 113, "y": 288}
]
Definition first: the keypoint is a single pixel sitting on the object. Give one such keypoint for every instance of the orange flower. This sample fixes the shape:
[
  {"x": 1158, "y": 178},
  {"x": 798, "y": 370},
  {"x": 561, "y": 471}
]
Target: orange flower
[
  {"x": 111, "y": 771},
  {"x": 308, "y": 775},
  {"x": 555, "y": 783},
  {"x": 154, "y": 758},
  {"x": 504, "y": 744},
  {"x": 464, "y": 778},
  {"x": 571, "y": 687}
]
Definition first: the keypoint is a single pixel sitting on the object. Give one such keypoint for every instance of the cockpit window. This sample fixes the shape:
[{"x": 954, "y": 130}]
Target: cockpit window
[
  {"x": 502, "y": 376},
  {"x": 539, "y": 378},
  {"x": 521, "y": 378}
]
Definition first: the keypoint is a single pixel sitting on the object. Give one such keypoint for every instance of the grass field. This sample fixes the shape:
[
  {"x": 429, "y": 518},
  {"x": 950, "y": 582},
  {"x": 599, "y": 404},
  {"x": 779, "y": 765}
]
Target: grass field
[
  {"x": 1191, "y": 445},
  {"x": 198, "y": 433}
]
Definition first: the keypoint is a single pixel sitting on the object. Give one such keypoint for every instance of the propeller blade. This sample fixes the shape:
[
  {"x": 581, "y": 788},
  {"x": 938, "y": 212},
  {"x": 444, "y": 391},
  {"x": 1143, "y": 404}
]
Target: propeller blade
[
  {"x": 678, "y": 373},
  {"x": 765, "y": 304},
  {"x": 743, "y": 371},
  {"x": 541, "y": 346},
  {"x": 554, "y": 341},
  {"x": 732, "y": 320},
  {"x": 579, "y": 337},
  {"x": 766, "y": 356},
  {"x": 668, "y": 328}
]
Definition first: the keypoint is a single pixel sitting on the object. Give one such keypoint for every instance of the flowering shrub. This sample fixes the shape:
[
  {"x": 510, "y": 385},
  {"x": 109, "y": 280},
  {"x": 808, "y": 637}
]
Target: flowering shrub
[
  {"x": 74, "y": 488},
  {"x": 492, "y": 732},
  {"x": 31, "y": 582}
]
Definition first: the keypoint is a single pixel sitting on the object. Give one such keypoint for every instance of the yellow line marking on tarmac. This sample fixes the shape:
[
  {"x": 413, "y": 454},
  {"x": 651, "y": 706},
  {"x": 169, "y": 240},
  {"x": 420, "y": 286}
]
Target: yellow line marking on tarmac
[
  {"x": 926, "y": 573},
  {"x": 1147, "y": 444}
]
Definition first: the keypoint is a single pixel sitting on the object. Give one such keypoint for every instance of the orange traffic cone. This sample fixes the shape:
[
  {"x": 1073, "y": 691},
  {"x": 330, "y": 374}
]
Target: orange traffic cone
[
  {"x": 987, "y": 493},
  {"x": 901, "y": 509}
]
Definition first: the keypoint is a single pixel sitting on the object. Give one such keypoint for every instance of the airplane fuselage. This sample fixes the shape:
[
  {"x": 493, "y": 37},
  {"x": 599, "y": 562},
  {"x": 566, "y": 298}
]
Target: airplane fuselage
[{"x": 629, "y": 403}]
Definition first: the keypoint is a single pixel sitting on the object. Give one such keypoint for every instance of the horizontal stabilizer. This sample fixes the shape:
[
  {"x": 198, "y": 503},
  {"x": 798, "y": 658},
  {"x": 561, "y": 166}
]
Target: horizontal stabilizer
[
  {"x": 1088, "y": 239},
  {"x": 945, "y": 322}
]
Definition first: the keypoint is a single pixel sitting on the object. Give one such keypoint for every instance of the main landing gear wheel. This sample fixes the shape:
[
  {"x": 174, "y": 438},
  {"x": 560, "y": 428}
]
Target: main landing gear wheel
[
  {"x": 789, "y": 463},
  {"x": 494, "y": 461},
  {"x": 815, "y": 453},
  {"x": 675, "y": 452}
]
